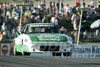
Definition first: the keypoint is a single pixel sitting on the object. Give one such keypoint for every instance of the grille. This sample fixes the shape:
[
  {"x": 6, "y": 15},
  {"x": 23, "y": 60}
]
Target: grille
[{"x": 49, "y": 48}]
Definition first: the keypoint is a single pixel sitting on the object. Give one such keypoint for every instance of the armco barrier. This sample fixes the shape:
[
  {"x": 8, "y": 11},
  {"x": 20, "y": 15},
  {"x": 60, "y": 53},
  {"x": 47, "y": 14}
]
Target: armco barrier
[
  {"x": 77, "y": 50},
  {"x": 86, "y": 50}
]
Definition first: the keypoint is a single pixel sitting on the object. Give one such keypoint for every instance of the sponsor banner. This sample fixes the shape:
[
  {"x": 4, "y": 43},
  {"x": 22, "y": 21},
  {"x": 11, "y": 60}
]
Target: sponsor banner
[
  {"x": 5, "y": 49},
  {"x": 86, "y": 50}
]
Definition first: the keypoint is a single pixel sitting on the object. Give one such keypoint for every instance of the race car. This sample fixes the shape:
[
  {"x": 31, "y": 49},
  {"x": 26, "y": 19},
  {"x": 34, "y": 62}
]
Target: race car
[{"x": 42, "y": 38}]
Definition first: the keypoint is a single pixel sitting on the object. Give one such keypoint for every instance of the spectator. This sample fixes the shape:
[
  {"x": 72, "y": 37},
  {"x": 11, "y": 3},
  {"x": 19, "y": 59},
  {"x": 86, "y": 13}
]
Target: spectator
[
  {"x": 73, "y": 17},
  {"x": 97, "y": 32},
  {"x": 75, "y": 23},
  {"x": 75, "y": 36},
  {"x": 63, "y": 30},
  {"x": 77, "y": 3},
  {"x": 32, "y": 19},
  {"x": 3, "y": 27},
  {"x": 0, "y": 9},
  {"x": 98, "y": 3},
  {"x": 7, "y": 6},
  {"x": 83, "y": 3},
  {"x": 27, "y": 20},
  {"x": 57, "y": 7},
  {"x": 39, "y": 6},
  {"x": 53, "y": 19},
  {"x": 61, "y": 5},
  {"x": 85, "y": 34},
  {"x": 50, "y": 6},
  {"x": 66, "y": 9},
  {"x": 1, "y": 35},
  {"x": 30, "y": 5},
  {"x": 44, "y": 20},
  {"x": 15, "y": 32},
  {"x": 92, "y": 4},
  {"x": 53, "y": 4},
  {"x": 56, "y": 20}
]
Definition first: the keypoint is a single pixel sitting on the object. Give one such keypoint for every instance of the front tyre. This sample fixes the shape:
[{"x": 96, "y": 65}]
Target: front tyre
[
  {"x": 15, "y": 52},
  {"x": 67, "y": 54}
]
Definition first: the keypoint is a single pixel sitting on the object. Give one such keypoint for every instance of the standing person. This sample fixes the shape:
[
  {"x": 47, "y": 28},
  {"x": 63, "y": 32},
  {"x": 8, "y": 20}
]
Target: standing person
[
  {"x": 7, "y": 6},
  {"x": 32, "y": 19},
  {"x": 66, "y": 9},
  {"x": 83, "y": 3},
  {"x": 85, "y": 34},
  {"x": 77, "y": 3},
  {"x": 61, "y": 5},
  {"x": 15, "y": 32},
  {"x": 1, "y": 35},
  {"x": 44, "y": 5},
  {"x": 56, "y": 21},
  {"x": 4, "y": 9},
  {"x": 53, "y": 19},
  {"x": 49, "y": 18},
  {"x": 53, "y": 4},
  {"x": 27, "y": 20},
  {"x": 53, "y": 8},
  {"x": 4, "y": 31},
  {"x": 50, "y": 6},
  {"x": 0, "y": 9},
  {"x": 74, "y": 21},
  {"x": 92, "y": 3},
  {"x": 73, "y": 17},
  {"x": 3, "y": 27},
  {"x": 57, "y": 7},
  {"x": 30, "y": 5},
  {"x": 98, "y": 3},
  {"x": 44, "y": 20},
  {"x": 39, "y": 6}
]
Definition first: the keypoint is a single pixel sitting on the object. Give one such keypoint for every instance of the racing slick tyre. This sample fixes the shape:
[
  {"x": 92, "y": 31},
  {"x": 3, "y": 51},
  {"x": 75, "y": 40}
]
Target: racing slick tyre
[
  {"x": 16, "y": 53},
  {"x": 56, "y": 54},
  {"x": 67, "y": 54},
  {"x": 26, "y": 53}
]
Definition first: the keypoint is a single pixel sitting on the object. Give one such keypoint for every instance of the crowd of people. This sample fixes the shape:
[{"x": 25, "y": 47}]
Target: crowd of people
[{"x": 11, "y": 14}]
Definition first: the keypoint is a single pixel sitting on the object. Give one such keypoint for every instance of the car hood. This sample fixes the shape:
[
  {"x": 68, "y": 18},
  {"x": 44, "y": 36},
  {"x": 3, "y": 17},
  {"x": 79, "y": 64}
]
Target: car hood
[{"x": 48, "y": 37}]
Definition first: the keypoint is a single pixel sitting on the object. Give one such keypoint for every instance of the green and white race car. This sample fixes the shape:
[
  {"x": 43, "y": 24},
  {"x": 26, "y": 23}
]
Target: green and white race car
[{"x": 42, "y": 38}]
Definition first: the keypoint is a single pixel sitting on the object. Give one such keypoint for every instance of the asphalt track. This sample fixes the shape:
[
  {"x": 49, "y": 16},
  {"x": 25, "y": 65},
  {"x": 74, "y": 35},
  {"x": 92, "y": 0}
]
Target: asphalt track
[{"x": 45, "y": 61}]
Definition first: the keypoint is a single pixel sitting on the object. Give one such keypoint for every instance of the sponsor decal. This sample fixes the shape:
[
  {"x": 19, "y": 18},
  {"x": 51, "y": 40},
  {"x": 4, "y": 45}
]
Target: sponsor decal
[{"x": 49, "y": 37}]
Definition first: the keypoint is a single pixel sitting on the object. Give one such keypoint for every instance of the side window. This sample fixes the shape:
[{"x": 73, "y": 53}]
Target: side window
[
  {"x": 26, "y": 29},
  {"x": 23, "y": 29}
]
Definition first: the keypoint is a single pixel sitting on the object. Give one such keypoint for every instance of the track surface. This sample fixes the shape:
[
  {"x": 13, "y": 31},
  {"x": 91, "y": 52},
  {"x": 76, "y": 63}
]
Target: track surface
[{"x": 45, "y": 61}]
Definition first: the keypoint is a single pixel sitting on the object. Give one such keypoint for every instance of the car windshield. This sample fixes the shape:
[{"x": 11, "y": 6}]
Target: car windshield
[{"x": 42, "y": 30}]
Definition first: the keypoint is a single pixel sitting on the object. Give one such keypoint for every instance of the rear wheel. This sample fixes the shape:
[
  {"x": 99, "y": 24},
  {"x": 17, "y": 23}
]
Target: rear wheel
[
  {"x": 27, "y": 53},
  {"x": 56, "y": 54},
  {"x": 67, "y": 54}
]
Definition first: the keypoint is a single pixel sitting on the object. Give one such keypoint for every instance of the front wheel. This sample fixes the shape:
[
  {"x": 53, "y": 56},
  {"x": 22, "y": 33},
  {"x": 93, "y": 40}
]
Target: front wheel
[
  {"x": 27, "y": 53},
  {"x": 56, "y": 54},
  {"x": 15, "y": 52},
  {"x": 67, "y": 54}
]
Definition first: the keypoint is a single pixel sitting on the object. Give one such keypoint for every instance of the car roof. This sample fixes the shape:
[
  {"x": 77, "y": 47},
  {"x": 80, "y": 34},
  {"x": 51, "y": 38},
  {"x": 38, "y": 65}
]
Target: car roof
[{"x": 40, "y": 25}]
